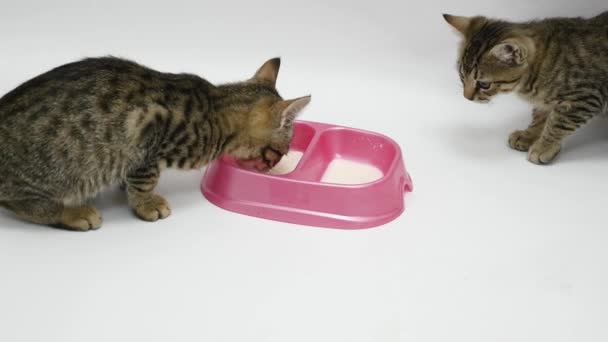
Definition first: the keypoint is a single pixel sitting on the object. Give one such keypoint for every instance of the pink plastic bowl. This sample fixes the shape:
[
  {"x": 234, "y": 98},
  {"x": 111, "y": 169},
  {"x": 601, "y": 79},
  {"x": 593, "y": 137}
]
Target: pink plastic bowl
[{"x": 300, "y": 197}]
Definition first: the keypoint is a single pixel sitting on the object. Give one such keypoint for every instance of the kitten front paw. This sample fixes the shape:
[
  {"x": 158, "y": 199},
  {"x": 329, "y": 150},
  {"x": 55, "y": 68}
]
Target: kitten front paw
[
  {"x": 80, "y": 219},
  {"x": 521, "y": 140},
  {"x": 542, "y": 153},
  {"x": 151, "y": 208}
]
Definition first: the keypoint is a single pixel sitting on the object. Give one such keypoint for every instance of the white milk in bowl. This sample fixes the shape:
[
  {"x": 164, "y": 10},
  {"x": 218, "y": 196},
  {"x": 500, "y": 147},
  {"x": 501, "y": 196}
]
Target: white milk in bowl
[
  {"x": 343, "y": 171},
  {"x": 287, "y": 164}
]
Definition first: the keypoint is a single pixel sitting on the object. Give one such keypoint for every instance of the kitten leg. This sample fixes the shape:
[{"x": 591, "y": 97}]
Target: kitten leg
[
  {"x": 44, "y": 211},
  {"x": 561, "y": 123},
  {"x": 523, "y": 139},
  {"x": 146, "y": 204}
]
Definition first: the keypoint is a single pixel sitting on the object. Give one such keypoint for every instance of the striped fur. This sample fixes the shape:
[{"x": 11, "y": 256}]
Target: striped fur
[
  {"x": 559, "y": 65},
  {"x": 68, "y": 133}
]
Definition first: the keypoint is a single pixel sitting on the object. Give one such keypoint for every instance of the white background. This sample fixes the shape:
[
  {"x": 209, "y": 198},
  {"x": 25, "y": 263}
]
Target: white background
[{"x": 490, "y": 248}]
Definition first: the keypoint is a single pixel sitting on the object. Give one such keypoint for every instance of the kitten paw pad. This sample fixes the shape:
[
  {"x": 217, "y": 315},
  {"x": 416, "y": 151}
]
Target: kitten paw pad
[
  {"x": 152, "y": 208},
  {"x": 521, "y": 140},
  {"x": 81, "y": 219},
  {"x": 542, "y": 154}
]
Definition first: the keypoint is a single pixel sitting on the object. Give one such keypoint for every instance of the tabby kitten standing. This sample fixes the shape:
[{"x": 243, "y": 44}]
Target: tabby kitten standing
[
  {"x": 68, "y": 133},
  {"x": 560, "y": 65}
]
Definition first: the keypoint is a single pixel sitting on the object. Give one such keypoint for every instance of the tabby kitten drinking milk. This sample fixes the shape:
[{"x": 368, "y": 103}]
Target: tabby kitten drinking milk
[
  {"x": 559, "y": 65},
  {"x": 68, "y": 133}
]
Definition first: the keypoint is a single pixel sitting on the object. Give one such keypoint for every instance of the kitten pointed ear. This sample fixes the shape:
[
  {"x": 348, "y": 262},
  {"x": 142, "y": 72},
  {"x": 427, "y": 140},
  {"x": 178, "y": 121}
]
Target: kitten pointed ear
[
  {"x": 461, "y": 24},
  {"x": 290, "y": 109},
  {"x": 509, "y": 53},
  {"x": 269, "y": 71}
]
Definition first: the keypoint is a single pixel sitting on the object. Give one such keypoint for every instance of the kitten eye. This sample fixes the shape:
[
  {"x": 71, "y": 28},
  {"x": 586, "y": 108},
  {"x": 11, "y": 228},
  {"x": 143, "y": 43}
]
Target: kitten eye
[{"x": 483, "y": 84}]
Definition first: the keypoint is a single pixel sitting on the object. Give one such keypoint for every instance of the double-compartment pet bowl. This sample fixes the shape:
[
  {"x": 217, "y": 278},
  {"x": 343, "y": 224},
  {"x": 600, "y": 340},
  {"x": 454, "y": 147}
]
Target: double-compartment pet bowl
[{"x": 301, "y": 197}]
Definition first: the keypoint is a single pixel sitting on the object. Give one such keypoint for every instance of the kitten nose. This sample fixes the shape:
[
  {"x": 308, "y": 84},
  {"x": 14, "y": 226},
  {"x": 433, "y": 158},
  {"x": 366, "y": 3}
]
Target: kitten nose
[{"x": 469, "y": 93}]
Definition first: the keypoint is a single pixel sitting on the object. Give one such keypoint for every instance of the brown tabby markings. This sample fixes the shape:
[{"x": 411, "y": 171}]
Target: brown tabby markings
[
  {"x": 68, "y": 133},
  {"x": 559, "y": 65}
]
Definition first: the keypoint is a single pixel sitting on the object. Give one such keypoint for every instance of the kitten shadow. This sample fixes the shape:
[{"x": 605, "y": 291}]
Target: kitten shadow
[
  {"x": 182, "y": 188},
  {"x": 483, "y": 142},
  {"x": 111, "y": 198},
  {"x": 589, "y": 143}
]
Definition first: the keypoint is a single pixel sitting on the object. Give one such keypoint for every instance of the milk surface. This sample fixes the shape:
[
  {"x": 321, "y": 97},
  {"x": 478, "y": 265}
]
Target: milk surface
[
  {"x": 343, "y": 171},
  {"x": 287, "y": 164}
]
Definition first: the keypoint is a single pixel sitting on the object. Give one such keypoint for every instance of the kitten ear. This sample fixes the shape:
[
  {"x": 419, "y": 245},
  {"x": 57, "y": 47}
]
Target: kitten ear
[
  {"x": 509, "y": 53},
  {"x": 269, "y": 71},
  {"x": 290, "y": 109},
  {"x": 461, "y": 24}
]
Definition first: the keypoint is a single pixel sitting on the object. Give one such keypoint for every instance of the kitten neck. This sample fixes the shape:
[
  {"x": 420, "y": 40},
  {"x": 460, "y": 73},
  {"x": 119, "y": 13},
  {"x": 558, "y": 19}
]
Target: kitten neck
[{"x": 232, "y": 113}]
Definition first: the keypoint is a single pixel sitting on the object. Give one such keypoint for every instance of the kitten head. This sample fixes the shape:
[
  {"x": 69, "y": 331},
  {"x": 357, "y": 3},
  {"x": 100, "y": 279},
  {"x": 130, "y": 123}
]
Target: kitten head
[
  {"x": 493, "y": 58},
  {"x": 266, "y": 128}
]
